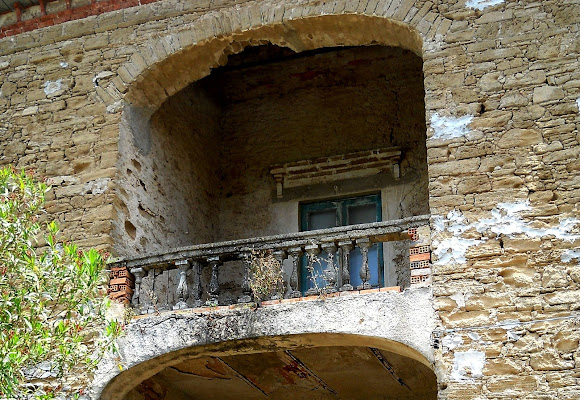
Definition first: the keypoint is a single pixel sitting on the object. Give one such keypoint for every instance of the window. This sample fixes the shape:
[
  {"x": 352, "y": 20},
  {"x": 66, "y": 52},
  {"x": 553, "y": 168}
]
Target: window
[{"x": 342, "y": 212}]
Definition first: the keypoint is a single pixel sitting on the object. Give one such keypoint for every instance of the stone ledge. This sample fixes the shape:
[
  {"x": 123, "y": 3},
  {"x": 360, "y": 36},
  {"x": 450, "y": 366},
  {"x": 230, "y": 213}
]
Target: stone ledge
[{"x": 242, "y": 306}]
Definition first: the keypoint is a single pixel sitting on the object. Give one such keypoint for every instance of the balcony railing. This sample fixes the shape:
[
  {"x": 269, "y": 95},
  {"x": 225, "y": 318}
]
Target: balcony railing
[{"x": 192, "y": 276}]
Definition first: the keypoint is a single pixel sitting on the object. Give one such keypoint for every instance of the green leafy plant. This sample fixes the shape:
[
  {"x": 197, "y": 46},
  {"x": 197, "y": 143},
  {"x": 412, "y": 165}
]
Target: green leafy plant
[{"x": 53, "y": 328}]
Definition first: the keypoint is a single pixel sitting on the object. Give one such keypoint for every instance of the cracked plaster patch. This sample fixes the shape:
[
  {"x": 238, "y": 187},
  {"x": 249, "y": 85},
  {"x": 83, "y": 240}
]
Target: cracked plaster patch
[
  {"x": 451, "y": 342},
  {"x": 481, "y": 4},
  {"x": 505, "y": 220},
  {"x": 450, "y": 127},
  {"x": 460, "y": 298},
  {"x": 570, "y": 255},
  {"x": 467, "y": 365},
  {"x": 98, "y": 186},
  {"x": 51, "y": 87}
]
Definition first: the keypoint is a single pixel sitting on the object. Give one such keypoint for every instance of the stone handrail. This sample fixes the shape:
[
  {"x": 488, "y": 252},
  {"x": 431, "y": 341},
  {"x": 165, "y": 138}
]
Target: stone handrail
[{"x": 339, "y": 240}]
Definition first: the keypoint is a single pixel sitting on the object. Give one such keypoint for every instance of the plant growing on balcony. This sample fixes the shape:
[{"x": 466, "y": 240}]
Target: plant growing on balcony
[
  {"x": 323, "y": 277},
  {"x": 265, "y": 275},
  {"x": 52, "y": 304}
]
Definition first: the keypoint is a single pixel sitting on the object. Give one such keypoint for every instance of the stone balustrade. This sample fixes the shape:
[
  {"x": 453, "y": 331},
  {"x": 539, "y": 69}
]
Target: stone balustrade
[{"x": 219, "y": 273}]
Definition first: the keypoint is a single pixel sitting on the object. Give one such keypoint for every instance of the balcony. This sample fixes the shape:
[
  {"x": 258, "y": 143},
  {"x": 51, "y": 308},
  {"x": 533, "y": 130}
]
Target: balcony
[{"x": 217, "y": 274}]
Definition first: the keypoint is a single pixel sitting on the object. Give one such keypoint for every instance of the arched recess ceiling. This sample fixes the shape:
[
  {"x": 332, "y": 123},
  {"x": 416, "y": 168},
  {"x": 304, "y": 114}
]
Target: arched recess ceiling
[
  {"x": 268, "y": 347},
  {"x": 154, "y": 79},
  {"x": 401, "y": 324}
]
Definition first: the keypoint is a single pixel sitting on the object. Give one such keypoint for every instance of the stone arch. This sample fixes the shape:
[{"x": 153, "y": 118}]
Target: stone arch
[
  {"x": 126, "y": 380},
  {"x": 166, "y": 65},
  {"x": 400, "y": 323}
]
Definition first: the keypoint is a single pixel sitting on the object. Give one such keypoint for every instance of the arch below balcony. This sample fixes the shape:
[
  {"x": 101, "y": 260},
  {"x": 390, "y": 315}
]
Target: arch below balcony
[
  {"x": 166, "y": 65},
  {"x": 399, "y": 323}
]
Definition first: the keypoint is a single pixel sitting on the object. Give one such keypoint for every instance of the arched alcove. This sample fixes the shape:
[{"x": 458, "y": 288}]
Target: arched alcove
[
  {"x": 282, "y": 124},
  {"x": 298, "y": 366},
  {"x": 239, "y": 153}
]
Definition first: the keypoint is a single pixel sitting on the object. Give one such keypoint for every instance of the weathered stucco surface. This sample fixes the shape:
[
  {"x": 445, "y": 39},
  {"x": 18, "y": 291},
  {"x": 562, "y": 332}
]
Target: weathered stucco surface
[
  {"x": 397, "y": 322},
  {"x": 501, "y": 83}
]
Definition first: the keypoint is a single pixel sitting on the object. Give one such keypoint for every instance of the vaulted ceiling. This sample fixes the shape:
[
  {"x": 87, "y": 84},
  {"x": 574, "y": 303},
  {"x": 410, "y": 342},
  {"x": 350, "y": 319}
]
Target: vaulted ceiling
[{"x": 312, "y": 373}]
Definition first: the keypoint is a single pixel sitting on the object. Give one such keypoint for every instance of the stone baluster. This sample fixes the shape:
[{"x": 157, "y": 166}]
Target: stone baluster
[
  {"x": 313, "y": 250},
  {"x": 197, "y": 290},
  {"x": 365, "y": 274},
  {"x": 246, "y": 288},
  {"x": 292, "y": 289},
  {"x": 139, "y": 273},
  {"x": 330, "y": 273},
  {"x": 279, "y": 255},
  {"x": 214, "y": 285},
  {"x": 345, "y": 248},
  {"x": 182, "y": 292}
]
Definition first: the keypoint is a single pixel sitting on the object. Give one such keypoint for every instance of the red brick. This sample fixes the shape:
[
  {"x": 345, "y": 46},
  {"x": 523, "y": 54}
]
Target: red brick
[
  {"x": 420, "y": 257},
  {"x": 270, "y": 302},
  {"x": 377, "y": 290},
  {"x": 121, "y": 281},
  {"x": 391, "y": 289},
  {"x": 293, "y": 300},
  {"x": 46, "y": 23}
]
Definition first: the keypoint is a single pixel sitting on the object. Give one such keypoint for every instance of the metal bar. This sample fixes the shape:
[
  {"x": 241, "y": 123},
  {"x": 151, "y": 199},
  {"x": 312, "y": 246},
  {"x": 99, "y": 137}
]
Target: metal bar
[
  {"x": 309, "y": 371},
  {"x": 377, "y": 353},
  {"x": 243, "y": 377}
]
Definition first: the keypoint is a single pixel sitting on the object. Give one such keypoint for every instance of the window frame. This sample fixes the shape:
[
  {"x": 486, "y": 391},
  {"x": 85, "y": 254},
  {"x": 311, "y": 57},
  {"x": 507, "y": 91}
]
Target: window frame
[{"x": 341, "y": 205}]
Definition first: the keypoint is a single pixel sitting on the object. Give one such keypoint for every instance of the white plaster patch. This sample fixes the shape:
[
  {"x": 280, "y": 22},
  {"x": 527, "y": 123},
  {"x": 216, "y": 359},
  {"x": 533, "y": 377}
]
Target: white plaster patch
[
  {"x": 450, "y": 127},
  {"x": 467, "y": 365},
  {"x": 51, "y": 87},
  {"x": 481, "y": 4},
  {"x": 438, "y": 223},
  {"x": 115, "y": 107},
  {"x": 451, "y": 342},
  {"x": 452, "y": 250},
  {"x": 505, "y": 220},
  {"x": 98, "y": 186},
  {"x": 512, "y": 336},
  {"x": 63, "y": 64},
  {"x": 570, "y": 255},
  {"x": 101, "y": 75},
  {"x": 578, "y": 103},
  {"x": 460, "y": 299},
  {"x": 474, "y": 336},
  {"x": 4, "y": 64}
]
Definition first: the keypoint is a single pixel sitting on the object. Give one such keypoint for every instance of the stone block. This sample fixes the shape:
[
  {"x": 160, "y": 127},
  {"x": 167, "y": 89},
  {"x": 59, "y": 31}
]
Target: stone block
[
  {"x": 544, "y": 94},
  {"x": 515, "y": 138}
]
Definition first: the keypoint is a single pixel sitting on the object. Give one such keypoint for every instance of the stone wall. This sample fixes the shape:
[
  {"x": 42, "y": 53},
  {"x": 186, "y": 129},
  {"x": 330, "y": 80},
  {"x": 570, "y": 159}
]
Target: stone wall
[
  {"x": 168, "y": 175},
  {"x": 502, "y": 92},
  {"x": 322, "y": 105}
]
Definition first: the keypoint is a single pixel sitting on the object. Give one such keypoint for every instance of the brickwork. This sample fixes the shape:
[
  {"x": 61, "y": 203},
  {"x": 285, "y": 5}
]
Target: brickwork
[
  {"x": 40, "y": 18},
  {"x": 502, "y": 90},
  {"x": 121, "y": 285},
  {"x": 419, "y": 258}
]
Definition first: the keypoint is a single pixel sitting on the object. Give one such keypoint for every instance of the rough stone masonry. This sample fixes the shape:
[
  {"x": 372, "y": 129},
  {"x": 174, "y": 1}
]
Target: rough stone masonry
[{"x": 502, "y": 98}]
